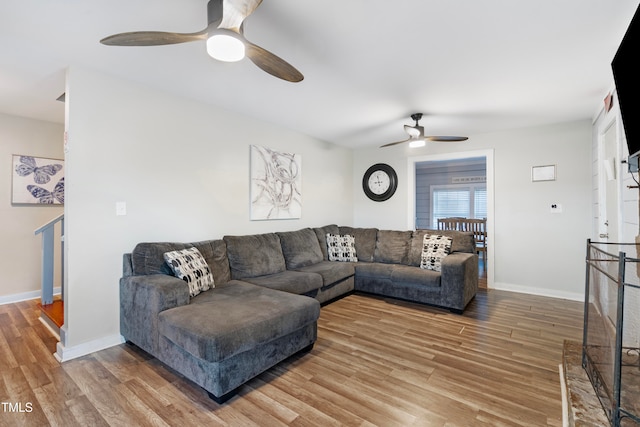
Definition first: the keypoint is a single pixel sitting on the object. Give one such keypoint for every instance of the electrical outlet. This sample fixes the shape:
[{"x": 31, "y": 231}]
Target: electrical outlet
[
  {"x": 555, "y": 208},
  {"x": 121, "y": 208}
]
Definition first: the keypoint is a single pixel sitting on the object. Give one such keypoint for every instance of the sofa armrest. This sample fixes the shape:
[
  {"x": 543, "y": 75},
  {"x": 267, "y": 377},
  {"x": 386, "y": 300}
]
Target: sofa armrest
[
  {"x": 459, "y": 279},
  {"x": 142, "y": 298}
]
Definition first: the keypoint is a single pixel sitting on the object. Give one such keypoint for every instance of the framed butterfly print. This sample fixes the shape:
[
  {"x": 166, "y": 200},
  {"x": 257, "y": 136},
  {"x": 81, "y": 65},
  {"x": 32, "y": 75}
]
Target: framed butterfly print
[{"x": 37, "y": 180}]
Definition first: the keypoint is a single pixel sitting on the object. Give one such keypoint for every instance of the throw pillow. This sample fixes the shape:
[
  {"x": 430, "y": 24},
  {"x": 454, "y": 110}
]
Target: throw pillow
[
  {"x": 190, "y": 266},
  {"x": 434, "y": 249},
  {"x": 341, "y": 248}
]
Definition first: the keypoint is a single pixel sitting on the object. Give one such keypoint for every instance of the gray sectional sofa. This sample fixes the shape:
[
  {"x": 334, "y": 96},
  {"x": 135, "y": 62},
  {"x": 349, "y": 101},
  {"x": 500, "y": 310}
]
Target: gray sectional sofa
[{"x": 267, "y": 295}]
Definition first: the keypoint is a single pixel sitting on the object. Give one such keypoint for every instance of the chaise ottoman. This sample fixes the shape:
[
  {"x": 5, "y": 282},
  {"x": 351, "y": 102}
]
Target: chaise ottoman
[{"x": 225, "y": 337}]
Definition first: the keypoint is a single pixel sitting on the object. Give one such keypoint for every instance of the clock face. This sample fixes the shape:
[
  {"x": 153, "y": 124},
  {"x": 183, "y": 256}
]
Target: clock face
[{"x": 379, "y": 182}]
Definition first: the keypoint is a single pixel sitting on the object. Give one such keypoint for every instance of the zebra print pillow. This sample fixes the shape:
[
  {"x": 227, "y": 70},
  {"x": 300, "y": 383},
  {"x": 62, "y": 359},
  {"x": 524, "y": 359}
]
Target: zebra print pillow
[
  {"x": 434, "y": 249},
  {"x": 190, "y": 266},
  {"x": 341, "y": 248}
]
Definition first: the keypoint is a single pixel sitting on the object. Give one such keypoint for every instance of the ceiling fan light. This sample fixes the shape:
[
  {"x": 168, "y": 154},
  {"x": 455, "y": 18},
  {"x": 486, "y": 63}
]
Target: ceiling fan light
[
  {"x": 224, "y": 47},
  {"x": 415, "y": 143}
]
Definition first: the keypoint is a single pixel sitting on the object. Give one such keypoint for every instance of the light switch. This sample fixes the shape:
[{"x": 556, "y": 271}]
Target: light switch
[{"x": 121, "y": 208}]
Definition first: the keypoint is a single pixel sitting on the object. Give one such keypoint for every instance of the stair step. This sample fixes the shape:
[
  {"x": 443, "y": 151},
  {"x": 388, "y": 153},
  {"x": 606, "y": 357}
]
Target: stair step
[{"x": 54, "y": 312}]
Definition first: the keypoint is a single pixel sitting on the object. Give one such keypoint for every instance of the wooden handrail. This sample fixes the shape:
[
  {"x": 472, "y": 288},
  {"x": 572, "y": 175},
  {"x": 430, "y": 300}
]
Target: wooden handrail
[{"x": 47, "y": 231}]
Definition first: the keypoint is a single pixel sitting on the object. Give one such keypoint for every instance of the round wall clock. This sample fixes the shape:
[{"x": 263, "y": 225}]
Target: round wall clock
[{"x": 380, "y": 182}]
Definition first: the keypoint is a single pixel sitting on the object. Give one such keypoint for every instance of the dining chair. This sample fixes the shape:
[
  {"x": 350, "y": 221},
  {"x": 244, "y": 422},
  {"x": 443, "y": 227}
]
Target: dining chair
[
  {"x": 479, "y": 229},
  {"x": 448, "y": 223}
]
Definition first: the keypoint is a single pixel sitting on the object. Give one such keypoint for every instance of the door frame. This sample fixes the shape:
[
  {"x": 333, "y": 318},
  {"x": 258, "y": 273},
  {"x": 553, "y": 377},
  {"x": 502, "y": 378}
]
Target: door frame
[
  {"x": 610, "y": 119},
  {"x": 488, "y": 154}
]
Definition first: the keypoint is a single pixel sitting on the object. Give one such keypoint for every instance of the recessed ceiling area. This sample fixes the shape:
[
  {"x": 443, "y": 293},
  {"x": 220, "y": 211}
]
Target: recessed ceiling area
[{"x": 471, "y": 67}]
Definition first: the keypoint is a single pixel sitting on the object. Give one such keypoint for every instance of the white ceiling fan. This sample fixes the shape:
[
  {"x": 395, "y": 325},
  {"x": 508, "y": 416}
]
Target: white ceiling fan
[
  {"x": 224, "y": 36},
  {"x": 417, "y": 137}
]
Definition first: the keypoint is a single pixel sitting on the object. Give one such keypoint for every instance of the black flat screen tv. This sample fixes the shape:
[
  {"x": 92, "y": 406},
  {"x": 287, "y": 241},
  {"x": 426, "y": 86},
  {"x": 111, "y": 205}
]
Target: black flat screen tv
[{"x": 626, "y": 74}]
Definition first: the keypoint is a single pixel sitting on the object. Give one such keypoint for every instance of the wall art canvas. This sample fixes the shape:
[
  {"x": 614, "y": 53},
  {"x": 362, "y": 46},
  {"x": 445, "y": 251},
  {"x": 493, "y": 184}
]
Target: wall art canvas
[
  {"x": 37, "y": 180},
  {"x": 276, "y": 184}
]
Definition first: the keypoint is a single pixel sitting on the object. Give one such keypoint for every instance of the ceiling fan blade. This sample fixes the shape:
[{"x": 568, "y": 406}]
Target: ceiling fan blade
[
  {"x": 395, "y": 143},
  {"x": 152, "y": 38},
  {"x": 446, "y": 138},
  {"x": 272, "y": 64}
]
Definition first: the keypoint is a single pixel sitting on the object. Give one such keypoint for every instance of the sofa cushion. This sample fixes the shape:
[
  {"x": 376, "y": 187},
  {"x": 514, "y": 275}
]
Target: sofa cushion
[
  {"x": 147, "y": 258},
  {"x": 215, "y": 252},
  {"x": 415, "y": 276},
  {"x": 294, "y": 282},
  {"x": 365, "y": 241},
  {"x": 321, "y": 233},
  {"x": 434, "y": 248},
  {"x": 331, "y": 272},
  {"x": 341, "y": 248},
  {"x": 374, "y": 270},
  {"x": 189, "y": 265},
  {"x": 254, "y": 255},
  {"x": 300, "y": 248},
  {"x": 234, "y": 318},
  {"x": 393, "y": 246}
]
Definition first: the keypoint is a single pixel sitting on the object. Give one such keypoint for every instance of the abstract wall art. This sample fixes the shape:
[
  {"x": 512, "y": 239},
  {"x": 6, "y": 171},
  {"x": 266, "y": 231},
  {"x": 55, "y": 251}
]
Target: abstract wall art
[
  {"x": 37, "y": 180},
  {"x": 276, "y": 184}
]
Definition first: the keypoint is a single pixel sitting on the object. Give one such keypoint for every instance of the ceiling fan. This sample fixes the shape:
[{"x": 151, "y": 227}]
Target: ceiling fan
[
  {"x": 417, "y": 137},
  {"x": 224, "y": 36}
]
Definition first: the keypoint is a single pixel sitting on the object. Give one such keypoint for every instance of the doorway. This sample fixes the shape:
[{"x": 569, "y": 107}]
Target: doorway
[{"x": 472, "y": 173}]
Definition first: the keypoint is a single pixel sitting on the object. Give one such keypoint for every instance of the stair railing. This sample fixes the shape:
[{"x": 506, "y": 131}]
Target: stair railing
[{"x": 48, "y": 238}]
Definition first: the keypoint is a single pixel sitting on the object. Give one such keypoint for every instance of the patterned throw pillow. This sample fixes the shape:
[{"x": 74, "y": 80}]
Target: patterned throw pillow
[
  {"x": 190, "y": 266},
  {"x": 341, "y": 248},
  {"x": 434, "y": 249}
]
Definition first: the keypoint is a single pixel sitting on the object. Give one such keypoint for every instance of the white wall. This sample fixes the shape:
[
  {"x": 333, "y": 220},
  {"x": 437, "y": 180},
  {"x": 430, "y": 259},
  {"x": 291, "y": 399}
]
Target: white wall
[
  {"x": 534, "y": 250},
  {"x": 20, "y": 252},
  {"x": 628, "y": 219},
  {"x": 183, "y": 170}
]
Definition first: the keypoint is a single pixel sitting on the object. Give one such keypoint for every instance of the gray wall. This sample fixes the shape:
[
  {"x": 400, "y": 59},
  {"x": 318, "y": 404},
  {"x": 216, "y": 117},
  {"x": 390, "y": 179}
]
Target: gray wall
[
  {"x": 20, "y": 252},
  {"x": 429, "y": 174}
]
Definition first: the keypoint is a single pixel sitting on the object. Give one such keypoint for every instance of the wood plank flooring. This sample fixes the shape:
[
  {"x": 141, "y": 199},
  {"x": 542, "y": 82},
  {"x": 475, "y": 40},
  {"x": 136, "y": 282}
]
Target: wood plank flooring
[{"x": 377, "y": 362}]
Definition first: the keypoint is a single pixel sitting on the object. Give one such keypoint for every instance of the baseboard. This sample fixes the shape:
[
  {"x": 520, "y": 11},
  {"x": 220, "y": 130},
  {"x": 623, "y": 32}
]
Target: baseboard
[
  {"x": 543, "y": 292},
  {"x": 10, "y": 299},
  {"x": 565, "y": 400},
  {"x": 64, "y": 354}
]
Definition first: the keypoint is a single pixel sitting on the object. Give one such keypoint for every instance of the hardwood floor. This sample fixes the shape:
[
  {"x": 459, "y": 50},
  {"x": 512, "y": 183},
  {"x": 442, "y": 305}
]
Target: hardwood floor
[
  {"x": 377, "y": 362},
  {"x": 482, "y": 275}
]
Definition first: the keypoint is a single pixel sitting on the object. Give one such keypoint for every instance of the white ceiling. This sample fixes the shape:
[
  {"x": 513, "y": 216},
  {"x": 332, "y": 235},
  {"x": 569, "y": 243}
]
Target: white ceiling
[{"x": 471, "y": 66}]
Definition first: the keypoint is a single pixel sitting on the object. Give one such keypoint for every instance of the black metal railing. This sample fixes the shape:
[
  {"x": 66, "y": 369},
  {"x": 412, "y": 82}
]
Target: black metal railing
[{"x": 611, "y": 349}]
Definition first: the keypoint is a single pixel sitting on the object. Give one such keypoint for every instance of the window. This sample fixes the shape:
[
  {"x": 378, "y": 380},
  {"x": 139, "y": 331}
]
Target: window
[
  {"x": 479, "y": 202},
  {"x": 468, "y": 201}
]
